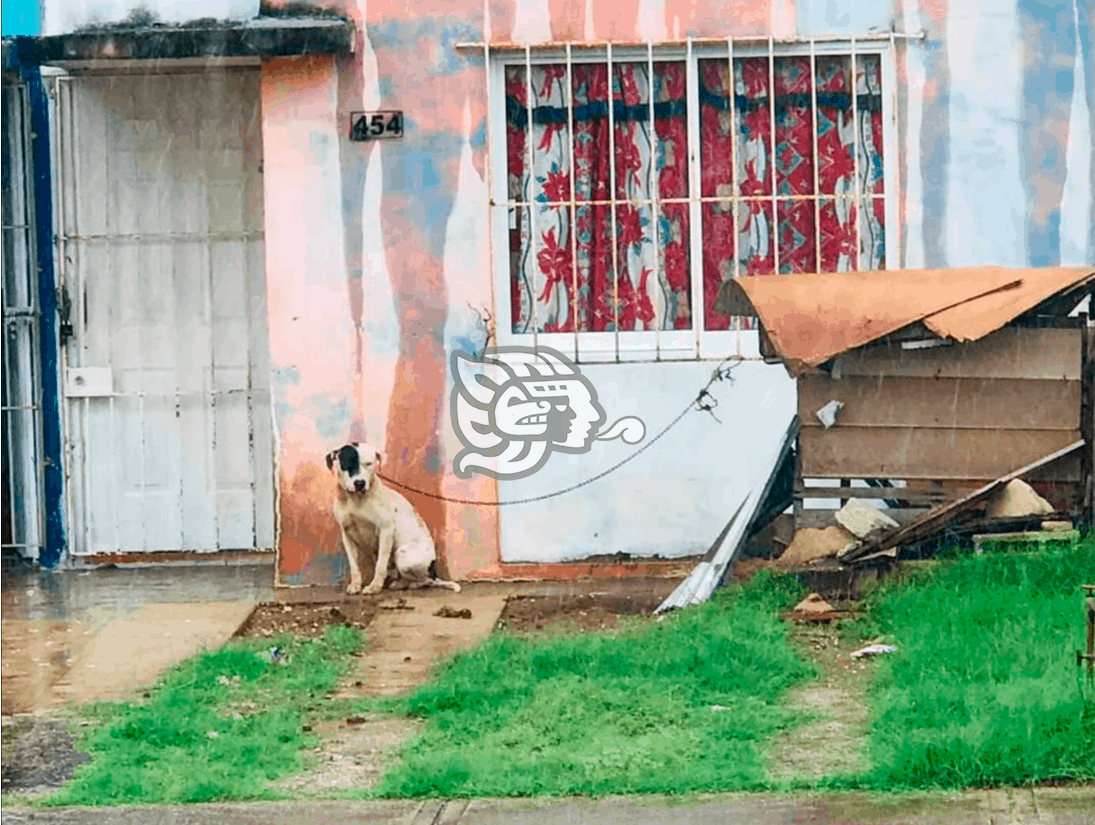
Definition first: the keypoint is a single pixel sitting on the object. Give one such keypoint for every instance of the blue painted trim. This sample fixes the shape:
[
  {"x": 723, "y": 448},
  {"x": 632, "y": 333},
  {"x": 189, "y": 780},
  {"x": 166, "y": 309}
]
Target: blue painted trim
[{"x": 52, "y": 438}]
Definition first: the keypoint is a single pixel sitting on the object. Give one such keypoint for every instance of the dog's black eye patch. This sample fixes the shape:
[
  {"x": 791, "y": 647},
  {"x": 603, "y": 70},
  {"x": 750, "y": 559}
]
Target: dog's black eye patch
[{"x": 349, "y": 460}]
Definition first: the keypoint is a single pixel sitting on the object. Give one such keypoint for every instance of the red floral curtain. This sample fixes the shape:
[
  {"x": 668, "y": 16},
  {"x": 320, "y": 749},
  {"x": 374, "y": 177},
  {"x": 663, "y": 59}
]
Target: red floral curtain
[
  {"x": 584, "y": 282},
  {"x": 562, "y": 282}
]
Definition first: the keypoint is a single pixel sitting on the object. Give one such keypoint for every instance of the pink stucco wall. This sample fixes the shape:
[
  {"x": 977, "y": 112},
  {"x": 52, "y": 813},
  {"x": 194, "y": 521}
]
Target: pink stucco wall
[
  {"x": 377, "y": 255},
  {"x": 345, "y": 366}
]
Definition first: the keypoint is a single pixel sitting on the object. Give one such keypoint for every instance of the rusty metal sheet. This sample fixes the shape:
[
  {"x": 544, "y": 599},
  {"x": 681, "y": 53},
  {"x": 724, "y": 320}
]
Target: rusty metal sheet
[
  {"x": 811, "y": 317},
  {"x": 977, "y": 318}
]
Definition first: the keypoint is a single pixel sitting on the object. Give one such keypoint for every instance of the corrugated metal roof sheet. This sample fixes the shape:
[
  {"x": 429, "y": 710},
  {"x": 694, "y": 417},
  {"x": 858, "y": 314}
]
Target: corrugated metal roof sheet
[{"x": 812, "y": 317}]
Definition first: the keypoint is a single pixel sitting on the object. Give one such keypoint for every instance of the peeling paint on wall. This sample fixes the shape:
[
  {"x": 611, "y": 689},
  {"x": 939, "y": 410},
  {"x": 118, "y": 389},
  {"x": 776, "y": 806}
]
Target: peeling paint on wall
[
  {"x": 393, "y": 244},
  {"x": 1056, "y": 45}
]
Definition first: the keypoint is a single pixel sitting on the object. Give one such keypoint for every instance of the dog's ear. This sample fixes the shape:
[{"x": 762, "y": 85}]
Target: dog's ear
[
  {"x": 380, "y": 456},
  {"x": 330, "y": 460}
]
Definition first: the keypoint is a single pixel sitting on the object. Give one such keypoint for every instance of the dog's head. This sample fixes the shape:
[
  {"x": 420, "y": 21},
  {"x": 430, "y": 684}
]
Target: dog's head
[{"x": 355, "y": 466}]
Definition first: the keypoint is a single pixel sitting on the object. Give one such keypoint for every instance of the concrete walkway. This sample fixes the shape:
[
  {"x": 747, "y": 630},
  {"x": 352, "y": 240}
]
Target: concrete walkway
[
  {"x": 81, "y": 636},
  {"x": 407, "y": 639},
  {"x": 1043, "y": 806}
]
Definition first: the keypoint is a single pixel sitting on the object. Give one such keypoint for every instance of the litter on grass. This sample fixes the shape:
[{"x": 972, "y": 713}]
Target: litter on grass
[
  {"x": 873, "y": 650},
  {"x": 275, "y": 656}
]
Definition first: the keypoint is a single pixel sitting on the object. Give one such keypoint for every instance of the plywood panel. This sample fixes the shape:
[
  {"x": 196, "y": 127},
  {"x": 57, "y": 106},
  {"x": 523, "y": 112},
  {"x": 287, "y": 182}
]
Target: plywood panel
[
  {"x": 922, "y": 453},
  {"x": 1007, "y": 353},
  {"x": 1008, "y": 403}
]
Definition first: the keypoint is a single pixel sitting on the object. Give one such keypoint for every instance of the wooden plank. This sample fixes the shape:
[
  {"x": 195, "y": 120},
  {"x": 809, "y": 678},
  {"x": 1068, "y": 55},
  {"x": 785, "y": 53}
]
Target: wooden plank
[
  {"x": 820, "y": 518},
  {"x": 1007, "y": 353},
  {"x": 936, "y": 518},
  {"x": 1008, "y": 403},
  {"x": 880, "y": 493},
  {"x": 1087, "y": 424},
  {"x": 797, "y": 506},
  {"x": 844, "y": 452}
]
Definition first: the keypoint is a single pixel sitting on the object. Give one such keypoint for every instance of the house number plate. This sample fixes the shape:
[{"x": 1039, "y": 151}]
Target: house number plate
[{"x": 376, "y": 125}]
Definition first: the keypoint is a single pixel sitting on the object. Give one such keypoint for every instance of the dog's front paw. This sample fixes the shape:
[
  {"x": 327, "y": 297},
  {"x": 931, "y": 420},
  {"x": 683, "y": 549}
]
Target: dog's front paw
[
  {"x": 373, "y": 588},
  {"x": 353, "y": 588}
]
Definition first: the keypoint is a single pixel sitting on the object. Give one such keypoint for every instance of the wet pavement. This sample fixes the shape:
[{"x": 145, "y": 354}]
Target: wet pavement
[
  {"x": 83, "y": 635},
  {"x": 1044, "y": 806},
  {"x": 80, "y": 635}
]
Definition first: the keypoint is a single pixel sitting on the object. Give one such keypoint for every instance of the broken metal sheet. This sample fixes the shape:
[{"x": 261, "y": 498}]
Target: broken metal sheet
[
  {"x": 938, "y": 517},
  {"x": 709, "y": 573},
  {"x": 810, "y": 318}
]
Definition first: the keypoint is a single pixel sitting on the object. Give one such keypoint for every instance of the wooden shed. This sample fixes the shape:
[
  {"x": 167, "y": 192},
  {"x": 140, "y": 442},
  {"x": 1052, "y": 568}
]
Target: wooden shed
[{"x": 931, "y": 382}]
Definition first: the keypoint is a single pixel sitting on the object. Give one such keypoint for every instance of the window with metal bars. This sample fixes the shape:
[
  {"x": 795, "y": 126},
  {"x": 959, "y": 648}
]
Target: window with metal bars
[{"x": 623, "y": 220}]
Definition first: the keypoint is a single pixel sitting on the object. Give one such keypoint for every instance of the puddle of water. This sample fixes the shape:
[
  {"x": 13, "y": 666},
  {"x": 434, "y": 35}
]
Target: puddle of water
[
  {"x": 37, "y": 662},
  {"x": 65, "y": 595}
]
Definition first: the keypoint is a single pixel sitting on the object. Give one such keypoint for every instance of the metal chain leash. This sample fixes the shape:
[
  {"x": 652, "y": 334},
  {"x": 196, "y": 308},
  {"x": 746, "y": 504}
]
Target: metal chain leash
[{"x": 703, "y": 401}]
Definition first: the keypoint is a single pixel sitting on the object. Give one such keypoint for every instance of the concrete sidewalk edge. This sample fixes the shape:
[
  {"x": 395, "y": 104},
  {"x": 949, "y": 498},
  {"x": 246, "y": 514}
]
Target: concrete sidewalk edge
[{"x": 1070, "y": 804}]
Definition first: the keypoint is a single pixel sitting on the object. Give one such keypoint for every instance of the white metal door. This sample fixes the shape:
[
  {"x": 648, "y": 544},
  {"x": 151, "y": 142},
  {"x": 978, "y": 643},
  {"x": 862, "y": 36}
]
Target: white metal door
[{"x": 167, "y": 380}]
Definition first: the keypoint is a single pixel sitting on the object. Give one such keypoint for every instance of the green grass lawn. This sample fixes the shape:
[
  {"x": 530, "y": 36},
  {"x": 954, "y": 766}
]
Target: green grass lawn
[
  {"x": 217, "y": 727},
  {"x": 984, "y": 689},
  {"x": 598, "y": 714}
]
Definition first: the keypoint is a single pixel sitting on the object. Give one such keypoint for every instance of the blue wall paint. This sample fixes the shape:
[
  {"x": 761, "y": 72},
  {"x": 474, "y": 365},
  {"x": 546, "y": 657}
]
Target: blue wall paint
[
  {"x": 21, "y": 17},
  {"x": 934, "y": 140},
  {"x": 1051, "y": 45},
  {"x": 417, "y": 168},
  {"x": 985, "y": 190},
  {"x": 403, "y": 35},
  {"x": 53, "y": 471},
  {"x": 826, "y": 16}
]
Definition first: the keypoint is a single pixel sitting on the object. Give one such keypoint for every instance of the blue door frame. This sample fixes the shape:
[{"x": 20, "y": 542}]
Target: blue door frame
[{"x": 53, "y": 545}]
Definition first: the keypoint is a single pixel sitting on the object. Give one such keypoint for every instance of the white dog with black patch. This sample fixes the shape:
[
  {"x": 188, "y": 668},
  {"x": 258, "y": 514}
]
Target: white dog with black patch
[{"x": 403, "y": 537}]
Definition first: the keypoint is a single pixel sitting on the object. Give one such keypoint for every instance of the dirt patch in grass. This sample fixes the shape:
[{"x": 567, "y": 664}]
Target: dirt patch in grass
[
  {"x": 355, "y": 753},
  {"x": 567, "y": 613},
  {"x": 836, "y": 741},
  {"x": 307, "y": 620},
  {"x": 39, "y": 755}
]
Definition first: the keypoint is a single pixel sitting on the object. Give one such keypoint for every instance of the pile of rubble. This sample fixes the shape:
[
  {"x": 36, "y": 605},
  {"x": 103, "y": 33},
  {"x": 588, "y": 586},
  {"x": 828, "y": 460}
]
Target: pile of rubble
[{"x": 863, "y": 533}]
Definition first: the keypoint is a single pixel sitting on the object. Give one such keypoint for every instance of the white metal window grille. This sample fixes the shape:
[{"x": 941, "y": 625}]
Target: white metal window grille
[
  {"x": 613, "y": 226},
  {"x": 23, "y": 514}
]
